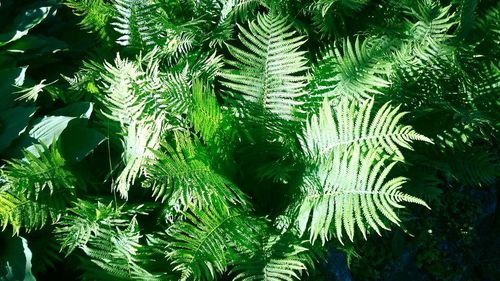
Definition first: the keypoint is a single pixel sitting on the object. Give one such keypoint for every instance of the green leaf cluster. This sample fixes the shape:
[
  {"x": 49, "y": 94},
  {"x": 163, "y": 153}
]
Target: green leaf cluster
[{"x": 233, "y": 139}]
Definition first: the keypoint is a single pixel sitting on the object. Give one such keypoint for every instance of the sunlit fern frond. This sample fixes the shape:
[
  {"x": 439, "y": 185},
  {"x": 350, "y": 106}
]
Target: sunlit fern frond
[
  {"x": 347, "y": 192},
  {"x": 141, "y": 139},
  {"x": 114, "y": 254},
  {"x": 267, "y": 75},
  {"x": 353, "y": 123},
  {"x": 121, "y": 98},
  {"x": 20, "y": 212},
  {"x": 344, "y": 186}
]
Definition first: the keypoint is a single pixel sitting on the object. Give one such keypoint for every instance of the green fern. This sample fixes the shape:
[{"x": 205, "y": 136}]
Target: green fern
[
  {"x": 348, "y": 190},
  {"x": 206, "y": 114},
  {"x": 21, "y": 212},
  {"x": 344, "y": 185},
  {"x": 357, "y": 72},
  {"x": 202, "y": 246},
  {"x": 240, "y": 157},
  {"x": 123, "y": 262},
  {"x": 267, "y": 77},
  {"x": 353, "y": 124},
  {"x": 95, "y": 229},
  {"x": 97, "y": 15},
  {"x": 183, "y": 176},
  {"x": 278, "y": 258},
  {"x": 37, "y": 189}
]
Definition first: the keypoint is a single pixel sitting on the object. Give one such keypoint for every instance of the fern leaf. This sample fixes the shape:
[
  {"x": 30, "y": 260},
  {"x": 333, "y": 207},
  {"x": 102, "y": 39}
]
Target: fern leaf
[
  {"x": 345, "y": 184},
  {"x": 20, "y": 212},
  {"x": 141, "y": 140},
  {"x": 433, "y": 22},
  {"x": 96, "y": 15},
  {"x": 204, "y": 244},
  {"x": 206, "y": 114},
  {"x": 37, "y": 189},
  {"x": 475, "y": 167},
  {"x": 353, "y": 123},
  {"x": 278, "y": 258},
  {"x": 117, "y": 254},
  {"x": 267, "y": 76},
  {"x": 121, "y": 101},
  {"x": 132, "y": 22},
  {"x": 109, "y": 235},
  {"x": 170, "y": 93},
  {"x": 183, "y": 176},
  {"x": 347, "y": 191},
  {"x": 357, "y": 72}
]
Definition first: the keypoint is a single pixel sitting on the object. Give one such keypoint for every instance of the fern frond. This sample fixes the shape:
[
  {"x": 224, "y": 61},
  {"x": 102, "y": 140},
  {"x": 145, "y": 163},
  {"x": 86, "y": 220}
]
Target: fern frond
[
  {"x": 37, "y": 189},
  {"x": 109, "y": 236},
  {"x": 20, "y": 212},
  {"x": 146, "y": 25},
  {"x": 39, "y": 173},
  {"x": 132, "y": 22},
  {"x": 358, "y": 71},
  {"x": 206, "y": 66},
  {"x": 475, "y": 167},
  {"x": 267, "y": 76},
  {"x": 433, "y": 22},
  {"x": 141, "y": 140},
  {"x": 488, "y": 25},
  {"x": 345, "y": 182},
  {"x": 241, "y": 8},
  {"x": 206, "y": 114},
  {"x": 183, "y": 176},
  {"x": 121, "y": 100},
  {"x": 116, "y": 254},
  {"x": 170, "y": 92},
  {"x": 82, "y": 223},
  {"x": 96, "y": 15},
  {"x": 202, "y": 246},
  {"x": 228, "y": 12},
  {"x": 278, "y": 258},
  {"x": 87, "y": 217},
  {"x": 347, "y": 190},
  {"x": 127, "y": 87},
  {"x": 353, "y": 123}
]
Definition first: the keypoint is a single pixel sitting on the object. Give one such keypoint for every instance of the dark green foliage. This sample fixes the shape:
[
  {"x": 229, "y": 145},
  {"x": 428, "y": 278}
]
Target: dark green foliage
[{"x": 233, "y": 139}]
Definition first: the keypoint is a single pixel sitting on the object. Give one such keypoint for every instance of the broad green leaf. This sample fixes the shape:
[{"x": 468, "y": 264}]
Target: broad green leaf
[
  {"x": 13, "y": 122},
  {"x": 48, "y": 129},
  {"x": 39, "y": 43},
  {"x": 23, "y": 23},
  {"x": 79, "y": 110},
  {"x": 77, "y": 142},
  {"x": 15, "y": 259},
  {"x": 10, "y": 78}
]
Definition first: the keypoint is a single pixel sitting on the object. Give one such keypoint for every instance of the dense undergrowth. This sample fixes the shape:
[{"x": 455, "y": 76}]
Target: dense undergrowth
[{"x": 249, "y": 139}]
